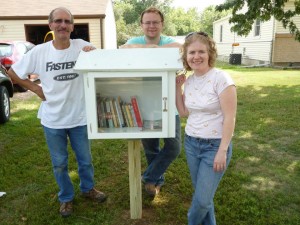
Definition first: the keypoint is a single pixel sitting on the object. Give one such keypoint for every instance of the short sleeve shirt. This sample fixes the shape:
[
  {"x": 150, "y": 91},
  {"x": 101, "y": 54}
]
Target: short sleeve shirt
[
  {"x": 203, "y": 103},
  {"x": 62, "y": 86},
  {"x": 142, "y": 40}
]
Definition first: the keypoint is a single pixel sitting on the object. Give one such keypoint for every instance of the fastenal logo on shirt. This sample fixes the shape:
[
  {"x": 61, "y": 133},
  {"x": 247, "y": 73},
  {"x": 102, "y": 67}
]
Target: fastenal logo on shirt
[
  {"x": 50, "y": 66},
  {"x": 66, "y": 76}
]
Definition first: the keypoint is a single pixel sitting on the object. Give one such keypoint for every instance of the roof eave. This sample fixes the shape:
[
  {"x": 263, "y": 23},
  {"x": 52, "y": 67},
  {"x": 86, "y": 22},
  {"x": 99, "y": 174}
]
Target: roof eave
[{"x": 90, "y": 16}]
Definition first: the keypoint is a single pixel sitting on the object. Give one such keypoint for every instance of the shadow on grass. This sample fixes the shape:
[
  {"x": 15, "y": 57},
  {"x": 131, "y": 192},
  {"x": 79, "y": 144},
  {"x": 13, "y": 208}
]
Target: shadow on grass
[{"x": 261, "y": 185}]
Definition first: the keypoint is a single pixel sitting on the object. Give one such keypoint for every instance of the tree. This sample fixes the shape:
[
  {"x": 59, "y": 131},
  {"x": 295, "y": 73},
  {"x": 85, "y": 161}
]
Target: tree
[
  {"x": 183, "y": 21},
  {"x": 262, "y": 10},
  {"x": 208, "y": 16}
]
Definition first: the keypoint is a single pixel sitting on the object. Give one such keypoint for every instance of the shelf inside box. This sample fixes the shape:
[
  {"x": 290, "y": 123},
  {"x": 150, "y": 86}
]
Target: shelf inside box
[{"x": 127, "y": 130}]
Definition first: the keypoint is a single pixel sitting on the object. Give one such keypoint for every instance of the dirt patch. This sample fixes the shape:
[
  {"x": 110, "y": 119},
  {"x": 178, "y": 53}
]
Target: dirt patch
[{"x": 22, "y": 95}]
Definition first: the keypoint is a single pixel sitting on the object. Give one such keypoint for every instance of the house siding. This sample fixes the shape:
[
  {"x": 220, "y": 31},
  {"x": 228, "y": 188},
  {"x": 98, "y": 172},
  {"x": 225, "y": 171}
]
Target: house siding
[
  {"x": 94, "y": 30},
  {"x": 269, "y": 47},
  {"x": 14, "y": 30},
  {"x": 100, "y": 20},
  {"x": 254, "y": 49},
  {"x": 286, "y": 50}
]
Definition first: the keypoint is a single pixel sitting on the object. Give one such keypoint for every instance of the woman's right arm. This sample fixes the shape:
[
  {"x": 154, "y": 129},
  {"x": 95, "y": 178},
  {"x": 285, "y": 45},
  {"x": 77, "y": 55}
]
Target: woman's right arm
[{"x": 182, "y": 110}]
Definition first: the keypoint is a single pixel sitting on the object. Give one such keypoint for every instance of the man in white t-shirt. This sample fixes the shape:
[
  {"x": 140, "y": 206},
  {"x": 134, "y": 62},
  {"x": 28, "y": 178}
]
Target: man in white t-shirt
[{"x": 62, "y": 111}]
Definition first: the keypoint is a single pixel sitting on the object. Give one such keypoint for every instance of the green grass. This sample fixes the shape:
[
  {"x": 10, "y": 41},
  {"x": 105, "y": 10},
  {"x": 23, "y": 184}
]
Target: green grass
[{"x": 260, "y": 187}]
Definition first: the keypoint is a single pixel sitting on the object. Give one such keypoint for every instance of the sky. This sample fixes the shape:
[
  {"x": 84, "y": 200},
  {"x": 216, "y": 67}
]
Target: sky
[{"x": 200, "y": 4}]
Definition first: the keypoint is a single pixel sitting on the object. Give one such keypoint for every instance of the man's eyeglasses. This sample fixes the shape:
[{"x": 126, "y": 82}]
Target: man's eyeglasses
[
  {"x": 60, "y": 21},
  {"x": 199, "y": 33},
  {"x": 154, "y": 23}
]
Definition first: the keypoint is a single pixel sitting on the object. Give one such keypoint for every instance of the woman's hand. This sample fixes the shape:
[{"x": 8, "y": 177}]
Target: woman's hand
[
  {"x": 180, "y": 80},
  {"x": 220, "y": 161}
]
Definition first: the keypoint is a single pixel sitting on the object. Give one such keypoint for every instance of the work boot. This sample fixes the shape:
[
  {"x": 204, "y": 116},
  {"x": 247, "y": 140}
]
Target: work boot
[{"x": 95, "y": 195}]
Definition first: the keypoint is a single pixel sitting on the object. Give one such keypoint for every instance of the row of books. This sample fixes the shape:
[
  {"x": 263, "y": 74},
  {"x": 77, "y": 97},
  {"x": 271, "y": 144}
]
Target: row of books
[{"x": 112, "y": 112}]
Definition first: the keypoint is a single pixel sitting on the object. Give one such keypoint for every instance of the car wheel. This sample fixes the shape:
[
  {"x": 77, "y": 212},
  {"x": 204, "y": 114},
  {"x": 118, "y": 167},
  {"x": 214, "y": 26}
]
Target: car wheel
[{"x": 4, "y": 105}]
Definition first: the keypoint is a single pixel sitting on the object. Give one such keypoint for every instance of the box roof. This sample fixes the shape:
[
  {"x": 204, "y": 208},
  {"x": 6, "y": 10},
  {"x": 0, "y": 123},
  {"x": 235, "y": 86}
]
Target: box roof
[{"x": 137, "y": 59}]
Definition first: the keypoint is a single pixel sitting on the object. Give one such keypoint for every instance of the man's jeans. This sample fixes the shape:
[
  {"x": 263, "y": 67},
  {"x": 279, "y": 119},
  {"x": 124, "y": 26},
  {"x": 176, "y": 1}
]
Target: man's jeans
[
  {"x": 160, "y": 159},
  {"x": 200, "y": 154},
  {"x": 57, "y": 140}
]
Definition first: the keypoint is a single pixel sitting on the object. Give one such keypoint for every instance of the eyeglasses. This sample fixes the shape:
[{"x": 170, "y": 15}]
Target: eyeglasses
[
  {"x": 154, "y": 23},
  {"x": 199, "y": 33},
  {"x": 60, "y": 21}
]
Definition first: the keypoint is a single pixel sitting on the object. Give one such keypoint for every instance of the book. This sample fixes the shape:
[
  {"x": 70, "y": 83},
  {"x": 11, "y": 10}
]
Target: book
[
  {"x": 136, "y": 110},
  {"x": 123, "y": 106},
  {"x": 132, "y": 115},
  {"x": 108, "y": 114},
  {"x": 104, "y": 120},
  {"x": 119, "y": 112},
  {"x": 99, "y": 112},
  {"x": 129, "y": 115},
  {"x": 114, "y": 113}
]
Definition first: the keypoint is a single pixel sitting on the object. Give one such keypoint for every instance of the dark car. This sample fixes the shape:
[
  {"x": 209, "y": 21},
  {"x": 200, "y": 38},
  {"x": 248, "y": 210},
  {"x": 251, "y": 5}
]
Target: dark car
[
  {"x": 6, "y": 92},
  {"x": 11, "y": 52}
]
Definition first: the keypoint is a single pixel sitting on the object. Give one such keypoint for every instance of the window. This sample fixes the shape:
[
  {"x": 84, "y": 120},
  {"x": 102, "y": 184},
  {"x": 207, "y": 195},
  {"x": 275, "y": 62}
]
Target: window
[
  {"x": 257, "y": 28},
  {"x": 221, "y": 33}
]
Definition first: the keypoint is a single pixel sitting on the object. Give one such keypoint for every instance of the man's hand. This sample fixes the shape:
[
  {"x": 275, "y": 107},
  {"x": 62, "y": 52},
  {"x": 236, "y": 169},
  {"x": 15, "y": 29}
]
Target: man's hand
[{"x": 88, "y": 48}]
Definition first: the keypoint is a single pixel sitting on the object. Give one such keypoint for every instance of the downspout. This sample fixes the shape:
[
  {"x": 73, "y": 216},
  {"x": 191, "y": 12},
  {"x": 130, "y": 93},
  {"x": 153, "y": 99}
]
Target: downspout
[
  {"x": 272, "y": 43},
  {"x": 102, "y": 36}
]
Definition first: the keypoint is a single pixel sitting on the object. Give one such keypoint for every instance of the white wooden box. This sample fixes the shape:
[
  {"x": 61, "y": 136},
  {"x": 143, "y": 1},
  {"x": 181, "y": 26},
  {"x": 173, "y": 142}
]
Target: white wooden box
[{"x": 148, "y": 74}]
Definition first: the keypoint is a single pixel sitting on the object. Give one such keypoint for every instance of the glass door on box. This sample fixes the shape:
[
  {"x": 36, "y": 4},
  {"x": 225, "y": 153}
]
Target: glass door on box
[{"x": 131, "y": 101}]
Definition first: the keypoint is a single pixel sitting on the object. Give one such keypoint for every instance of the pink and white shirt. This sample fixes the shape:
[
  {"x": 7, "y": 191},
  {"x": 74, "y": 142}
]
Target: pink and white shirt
[{"x": 202, "y": 101}]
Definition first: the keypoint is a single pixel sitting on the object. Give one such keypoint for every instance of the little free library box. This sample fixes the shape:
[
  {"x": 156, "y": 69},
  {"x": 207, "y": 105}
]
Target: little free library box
[{"x": 130, "y": 94}]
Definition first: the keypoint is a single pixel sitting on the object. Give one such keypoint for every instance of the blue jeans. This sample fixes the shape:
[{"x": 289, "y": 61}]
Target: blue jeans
[
  {"x": 57, "y": 140},
  {"x": 200, "y": 154},
  {"x": 159, "y": 159}
]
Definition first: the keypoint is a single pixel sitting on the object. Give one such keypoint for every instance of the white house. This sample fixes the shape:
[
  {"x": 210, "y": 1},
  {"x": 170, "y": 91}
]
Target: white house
[
  {"x": 28, "y": 20},
  {"x": 267, "y": 43}
]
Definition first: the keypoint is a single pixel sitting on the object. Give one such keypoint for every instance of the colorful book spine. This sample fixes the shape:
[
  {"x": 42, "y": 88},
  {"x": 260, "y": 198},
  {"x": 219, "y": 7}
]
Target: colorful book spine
[
  {"x": 104, "y": 121},
  {"x": 119, "y": 112},
  {"x": 137, "y": 112},
  {"x": 129, "y": 115},
  {"x": 99, "y": 113},
  {"x": 114, "y": 113},
  {"x": 132, "y": 115},
  {"x": 123, "y": 106},
  {"x": 108, "y": 114}
]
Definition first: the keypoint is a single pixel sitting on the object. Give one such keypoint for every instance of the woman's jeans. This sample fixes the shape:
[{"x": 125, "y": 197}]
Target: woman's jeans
[
  {"x": 200, "y": 154},
  {"x": 160, "y": 159},
  {"x": 57, "y": 140}
]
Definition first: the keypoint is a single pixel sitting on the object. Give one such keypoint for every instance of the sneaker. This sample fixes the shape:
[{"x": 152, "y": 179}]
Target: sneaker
[
  {"x": 158, "y": 189},
  {"x": 66, "y": 209},
  {"x": 151, "y": 189},
  {"x": 95, "y": 195}
]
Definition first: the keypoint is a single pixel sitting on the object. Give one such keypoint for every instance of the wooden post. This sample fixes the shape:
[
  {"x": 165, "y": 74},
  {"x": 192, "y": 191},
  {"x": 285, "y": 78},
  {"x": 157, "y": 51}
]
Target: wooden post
[{"x": 134, "y": 158}]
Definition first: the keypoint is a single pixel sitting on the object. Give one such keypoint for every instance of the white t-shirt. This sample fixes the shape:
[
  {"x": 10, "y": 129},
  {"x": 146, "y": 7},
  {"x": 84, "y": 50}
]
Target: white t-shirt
[
  {"x": 202, "y": 100},
  {"x": 63, "y": 88}
]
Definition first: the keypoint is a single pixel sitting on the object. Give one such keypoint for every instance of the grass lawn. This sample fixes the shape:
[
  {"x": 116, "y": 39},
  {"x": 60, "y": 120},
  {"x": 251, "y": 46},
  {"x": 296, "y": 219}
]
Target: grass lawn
[{"x": 260, "y": 187}]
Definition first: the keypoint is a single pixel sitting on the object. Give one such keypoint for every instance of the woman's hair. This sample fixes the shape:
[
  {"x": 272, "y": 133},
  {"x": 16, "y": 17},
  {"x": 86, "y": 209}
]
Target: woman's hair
[
  {"x": 152, "y": 10},
  {"x": 203, "y": 38},
  {"x": 50, "y": 18}
]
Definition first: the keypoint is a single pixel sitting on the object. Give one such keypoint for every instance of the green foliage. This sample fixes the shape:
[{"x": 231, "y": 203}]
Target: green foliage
[
  {"x": 178, "y": 22},
  {"x": 260, "y": 187},
  {"x": 262, "y": 10},
  {"x": 208, "y": 16},
  {"x": 184, "y": 21}
]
